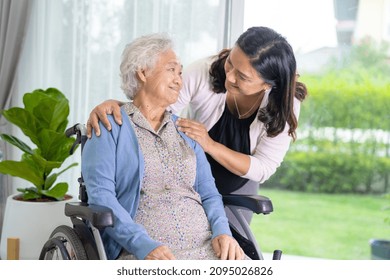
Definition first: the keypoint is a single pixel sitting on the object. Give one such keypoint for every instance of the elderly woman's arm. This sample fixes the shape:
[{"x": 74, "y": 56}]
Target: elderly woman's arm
[{"x": 100, "y": 173}]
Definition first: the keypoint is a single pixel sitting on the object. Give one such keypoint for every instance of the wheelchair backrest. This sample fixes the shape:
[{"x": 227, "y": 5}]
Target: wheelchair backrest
[{"x": 81, "y": 137}]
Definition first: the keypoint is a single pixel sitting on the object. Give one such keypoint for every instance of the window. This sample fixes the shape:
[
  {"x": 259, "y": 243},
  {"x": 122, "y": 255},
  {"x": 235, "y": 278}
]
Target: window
[
  {"x": 343, "y": 146},
  {"x": 76, "y": 46}
]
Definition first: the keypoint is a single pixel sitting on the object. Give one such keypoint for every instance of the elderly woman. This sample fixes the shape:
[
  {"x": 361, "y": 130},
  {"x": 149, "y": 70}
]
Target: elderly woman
[{"x": 156, "y": 180}]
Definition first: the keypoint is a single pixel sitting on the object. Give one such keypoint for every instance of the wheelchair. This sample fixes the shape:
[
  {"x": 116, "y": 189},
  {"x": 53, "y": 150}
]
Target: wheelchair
[{"x": 83, "y": 240}]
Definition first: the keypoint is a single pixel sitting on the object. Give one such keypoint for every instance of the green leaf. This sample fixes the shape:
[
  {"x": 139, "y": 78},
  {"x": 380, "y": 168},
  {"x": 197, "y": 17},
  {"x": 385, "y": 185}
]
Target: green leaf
[
  {"x": 53, "y": 177},
  {"x": 49, "y": 107},
  {"x": 29, "y": 193},
  {"x": 16, "y": 142},
  {"x": 57, "y": 192},
  {"x": 57, "y": 145},
  {"x": 24, "y": 120},
  {"x": 45, "y": 165},
  {"x": 22, "y": 169},
  {"x": 50, "y": 181}
]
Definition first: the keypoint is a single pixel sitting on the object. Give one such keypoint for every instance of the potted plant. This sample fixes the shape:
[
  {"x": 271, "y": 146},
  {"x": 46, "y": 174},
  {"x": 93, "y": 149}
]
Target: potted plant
[{"x": 43, "y": 120}]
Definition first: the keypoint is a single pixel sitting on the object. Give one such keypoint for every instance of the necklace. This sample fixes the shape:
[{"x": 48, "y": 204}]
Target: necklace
[{"x": 238, "y": 111}]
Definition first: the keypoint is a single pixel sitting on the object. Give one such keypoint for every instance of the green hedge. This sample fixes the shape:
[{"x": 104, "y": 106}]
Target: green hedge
[
  {"x": 331, "y": 173},
  {"x": 339, "y": 100}
]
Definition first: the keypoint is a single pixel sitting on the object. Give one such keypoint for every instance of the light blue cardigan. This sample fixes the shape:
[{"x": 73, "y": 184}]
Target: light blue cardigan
[{"x": 113, "y": 167}]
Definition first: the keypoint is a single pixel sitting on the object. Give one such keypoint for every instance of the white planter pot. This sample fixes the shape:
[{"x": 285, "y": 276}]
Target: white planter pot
[{"x": 32, "y": 223}]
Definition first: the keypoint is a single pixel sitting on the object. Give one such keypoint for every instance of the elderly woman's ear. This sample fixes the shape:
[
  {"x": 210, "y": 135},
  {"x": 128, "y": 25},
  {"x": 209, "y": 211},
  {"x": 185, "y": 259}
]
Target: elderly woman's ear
[{"x": 141, "y": 75}]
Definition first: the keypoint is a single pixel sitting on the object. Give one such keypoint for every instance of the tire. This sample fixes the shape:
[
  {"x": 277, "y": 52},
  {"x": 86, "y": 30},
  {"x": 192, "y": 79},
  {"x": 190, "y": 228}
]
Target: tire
[{"x": 64, "y": 244}]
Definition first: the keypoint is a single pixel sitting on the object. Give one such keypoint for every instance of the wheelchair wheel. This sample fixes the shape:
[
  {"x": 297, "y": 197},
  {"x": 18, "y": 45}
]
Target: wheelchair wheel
[{"x": 64, "y": 244}]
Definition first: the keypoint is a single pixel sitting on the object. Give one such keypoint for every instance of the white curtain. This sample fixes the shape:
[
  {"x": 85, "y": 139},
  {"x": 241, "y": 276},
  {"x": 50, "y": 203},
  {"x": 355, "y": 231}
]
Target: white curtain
[
  {"x": 13, "y": 18},
  {"x": 75, "y": 46}
]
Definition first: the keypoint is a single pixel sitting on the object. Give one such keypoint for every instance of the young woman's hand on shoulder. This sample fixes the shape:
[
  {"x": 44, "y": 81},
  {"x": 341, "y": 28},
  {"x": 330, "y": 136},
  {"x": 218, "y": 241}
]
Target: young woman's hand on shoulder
[{"x": 100, "y": 112}]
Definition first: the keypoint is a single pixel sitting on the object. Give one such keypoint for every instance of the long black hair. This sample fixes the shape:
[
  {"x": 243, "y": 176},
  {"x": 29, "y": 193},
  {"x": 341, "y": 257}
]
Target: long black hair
[
  {"x": 273, "y": 58},
  {"x": 217, "y": 71}
]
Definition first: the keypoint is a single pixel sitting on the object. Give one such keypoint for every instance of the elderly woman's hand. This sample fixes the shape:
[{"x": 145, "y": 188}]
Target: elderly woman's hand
[
  {"x": 227, "y": 248},
  {"x": 160, "y": 253},
  {"x": 196, "y": 131},
  {"x": 100, "y": 112}
]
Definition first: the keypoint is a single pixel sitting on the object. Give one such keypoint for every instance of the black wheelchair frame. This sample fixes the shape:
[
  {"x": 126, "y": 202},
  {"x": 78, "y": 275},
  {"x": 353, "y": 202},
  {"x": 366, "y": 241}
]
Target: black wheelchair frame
[{"x": 83, "y": 240}]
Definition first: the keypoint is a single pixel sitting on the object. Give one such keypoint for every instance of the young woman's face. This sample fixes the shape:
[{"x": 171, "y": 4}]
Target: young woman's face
[
  {"x": 241, "y": 77},
  {"x": 164, "y": 81}
]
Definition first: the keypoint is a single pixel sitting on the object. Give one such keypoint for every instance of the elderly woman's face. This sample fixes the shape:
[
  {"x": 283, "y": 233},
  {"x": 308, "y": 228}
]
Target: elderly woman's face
[
  {"x": 241, "y": 77},
  {"x": 164, "y": 81}
]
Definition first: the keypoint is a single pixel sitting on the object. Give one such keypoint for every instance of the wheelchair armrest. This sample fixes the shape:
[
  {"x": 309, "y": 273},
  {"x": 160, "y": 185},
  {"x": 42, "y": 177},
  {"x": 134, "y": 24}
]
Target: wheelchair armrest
[
  {"x": 256, "y": 203},
  {"x": 99, "y": 216}
]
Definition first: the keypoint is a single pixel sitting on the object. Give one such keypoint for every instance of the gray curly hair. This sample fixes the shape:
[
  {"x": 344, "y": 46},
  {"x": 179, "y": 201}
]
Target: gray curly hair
[{"x": 142, "y": 53}]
